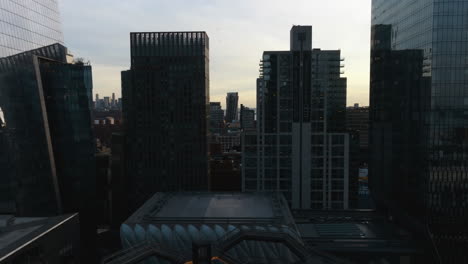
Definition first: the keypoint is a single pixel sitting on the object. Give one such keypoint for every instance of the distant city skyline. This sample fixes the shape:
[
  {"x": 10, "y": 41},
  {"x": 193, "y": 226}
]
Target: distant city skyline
[{"x": 239, "y": 32}]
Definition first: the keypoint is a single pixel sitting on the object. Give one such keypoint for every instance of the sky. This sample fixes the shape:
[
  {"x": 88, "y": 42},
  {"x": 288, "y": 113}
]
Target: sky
[{"x": 239, "y": 32}]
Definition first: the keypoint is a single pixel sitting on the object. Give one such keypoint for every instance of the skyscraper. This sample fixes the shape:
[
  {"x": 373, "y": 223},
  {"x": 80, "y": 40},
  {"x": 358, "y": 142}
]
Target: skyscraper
[
  {"x": 357, "y": 119},
  {"x": 113, "y": 103},
  {"x": 107, "y": 102},
  {"x": 419, "y": 119},
  {"x": 300, "y": 147},
  {"x": 27, "y": 25},
  {"x": 165, "y": 111},
  {"x": 232, "y": 101},
  {"x": 247, "y": 117},
  {"x": 216, "y": 117},
  {"x": 7, "y": 157},
  {"x": 52, "y": 136},
  {"x": 46, "y": 103}
]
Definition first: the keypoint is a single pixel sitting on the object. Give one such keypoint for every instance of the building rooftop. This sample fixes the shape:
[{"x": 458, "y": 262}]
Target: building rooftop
[
  {"x": 353, "y": 232},
  {"x": 207, "y": 206},
  {"x": 237, "y": 227},
  {"x": 16, "y": 233},
  {"x": 214, "y": 207}
]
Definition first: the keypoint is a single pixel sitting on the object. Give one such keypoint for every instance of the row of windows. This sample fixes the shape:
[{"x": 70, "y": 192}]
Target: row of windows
[
  {"x": 335, "y": 196},
  {"x": 319, "y": 139},
  {"x": 337, "y": 173},
  {"x": 336, "y": 185},
  {"x": 22, "y": 28},
  {"x": 38, "y": 10},
  {"x": 451, "y": 8},
  {"x": 271, "y": 185}
]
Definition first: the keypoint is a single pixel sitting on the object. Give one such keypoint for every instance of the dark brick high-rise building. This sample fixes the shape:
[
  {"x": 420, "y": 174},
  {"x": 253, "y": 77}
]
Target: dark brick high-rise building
[{"x": 165, "y": 112}]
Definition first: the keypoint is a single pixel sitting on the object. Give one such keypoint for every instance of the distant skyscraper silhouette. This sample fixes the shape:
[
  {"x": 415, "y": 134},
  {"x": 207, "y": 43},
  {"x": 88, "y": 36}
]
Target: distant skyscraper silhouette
[
  {"x": 232, "y": 101},
  {"x": 300, "y": 147},
  {"x": 165, "y": 111},
  {"x": 27, "y": 25},
  {"x": 216, "y": 117},
  {"x": 247, "y": 117},
  {"x": 419, "y": 119}
]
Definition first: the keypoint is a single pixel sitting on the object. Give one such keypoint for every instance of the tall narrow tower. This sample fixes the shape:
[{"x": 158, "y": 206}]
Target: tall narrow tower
[
  {"x": 165, "y": 110},
  {"x": 300, "y": 147},
  {"x": 232, "y": 101}
]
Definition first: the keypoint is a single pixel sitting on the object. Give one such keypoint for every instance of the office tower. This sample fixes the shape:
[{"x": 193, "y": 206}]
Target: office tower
[
  {"x": 230, "y": 141},
  {"x": 232, "y": 100},
  {"x": 27, "y": 25},
  {"x": 357, "y": 119},
  {"x": 7, "y": 156},
  {"x": 216, "y": 117},
  {"x": 357, "y": 124},
  {"x": 419, "y": 119},
  {"x": 165, "y": 111},
  {"x": 112, "y": 104},
  {"x": 247, "y": 118},
  {"x": 55, "y": 141},
  {"x": 300, "y": 147},
  {"x": 119, "y": 180},
  {"x": 107, "y": 102},
  {"x": 119, "y": 104},
  {"x": 48, "y": 116},
  {"x": 225, "y": 170}
]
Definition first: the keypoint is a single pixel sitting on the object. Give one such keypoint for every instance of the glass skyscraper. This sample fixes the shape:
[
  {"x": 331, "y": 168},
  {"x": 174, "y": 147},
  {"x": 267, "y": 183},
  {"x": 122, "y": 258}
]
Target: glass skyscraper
[
  {"x": 419, "y": 118},
  {"x": 47, "y": 144},
  {"x": 165, "y": 110},
  {"x": 27, "y": 25},
  {"x": 47, "y": 105}
]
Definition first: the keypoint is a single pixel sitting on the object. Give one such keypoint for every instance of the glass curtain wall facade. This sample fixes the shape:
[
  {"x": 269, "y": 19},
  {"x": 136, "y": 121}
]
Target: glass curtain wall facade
[
  {"x": 419, "y": 118},
  {"x": 46, "y": 104},
  {"x": 27, "y": 25},
  {"x": 165, "y": 109}
]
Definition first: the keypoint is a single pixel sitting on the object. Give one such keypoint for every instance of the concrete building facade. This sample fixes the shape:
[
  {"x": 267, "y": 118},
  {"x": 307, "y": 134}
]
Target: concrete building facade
[{"x": 300, "y": 147}]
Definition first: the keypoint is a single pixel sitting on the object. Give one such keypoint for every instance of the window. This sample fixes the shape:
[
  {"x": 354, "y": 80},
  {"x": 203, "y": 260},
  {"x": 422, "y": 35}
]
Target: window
[
  {"x": 285, "y": 127},
  {"x": 316, "y": 196},
  {"x": 337, "y": 184},
  {"x": 317, "y": 139},
  {"x": 251, "y": 139},
  {"x": 285, "y": 140},
  {"x": 285, "y": 162}
]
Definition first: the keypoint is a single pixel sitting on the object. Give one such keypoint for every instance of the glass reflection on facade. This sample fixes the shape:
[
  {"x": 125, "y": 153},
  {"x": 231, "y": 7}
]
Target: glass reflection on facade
[
  {"x": 46, "y": 103},
  {"x": 27, "y": 25},
  {"x": 419, "y": 117}
]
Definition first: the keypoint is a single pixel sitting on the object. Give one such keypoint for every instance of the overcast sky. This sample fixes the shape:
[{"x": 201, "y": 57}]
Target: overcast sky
[{"x": 239, "y": 31}]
